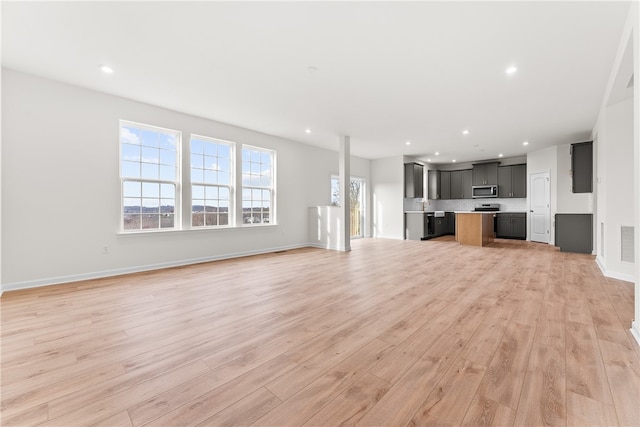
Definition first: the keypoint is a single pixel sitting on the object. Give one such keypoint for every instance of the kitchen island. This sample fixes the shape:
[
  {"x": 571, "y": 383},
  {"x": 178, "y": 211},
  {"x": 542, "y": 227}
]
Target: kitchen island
[{"x": 474, "y": 228}]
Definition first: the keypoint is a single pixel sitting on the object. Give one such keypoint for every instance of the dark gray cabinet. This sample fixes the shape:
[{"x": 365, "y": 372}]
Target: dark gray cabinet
[
  {"x": 461, "y": 184},
  {"x": 434, "y": 184},
  {"x": 511, "y": 225},
  {"x": 574, "y": 233},
  {"x": 512, "y": 181},
  {"x": 441, "y": 226},
  {"x": 413, "y": 180},
  {"x": 451, "y": 223},
  {"x": 582, "y": 167},
  {"x": 485, "y": 173},
  {"x": 445, "y": 184}
]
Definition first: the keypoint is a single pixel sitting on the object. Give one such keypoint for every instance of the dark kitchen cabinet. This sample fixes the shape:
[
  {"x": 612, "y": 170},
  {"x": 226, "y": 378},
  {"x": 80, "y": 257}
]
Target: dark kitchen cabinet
[
  {"x": 451, "y": 223},
  {"x": 512, "y": 181},
  {"x": 441, "y": 225},
  {"x": 434, "y": 184},
  {"x": 485, "y": 173},
  {"x": 413, "y": 180},
  {"x": 461, "y": 184},
  {"x": 574, "y": 233},
  {"x": 445, "y": 184},
  {"x": 582, "y": 167},
  {"x": 511, "y": 225}
]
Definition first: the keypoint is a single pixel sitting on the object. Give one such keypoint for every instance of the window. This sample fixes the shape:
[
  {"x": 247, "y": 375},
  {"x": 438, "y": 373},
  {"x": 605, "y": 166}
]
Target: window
[
  {"x": 211, "y": 167},
  {"x": 257, "y": 185},
  {"x": 149, "y": 175}
]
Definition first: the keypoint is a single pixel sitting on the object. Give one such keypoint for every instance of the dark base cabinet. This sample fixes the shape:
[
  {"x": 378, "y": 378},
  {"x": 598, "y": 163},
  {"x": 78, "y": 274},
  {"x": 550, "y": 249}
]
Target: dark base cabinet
[
  {"x": 511, "y": 226},
  {"x": 574, "y": 233}
]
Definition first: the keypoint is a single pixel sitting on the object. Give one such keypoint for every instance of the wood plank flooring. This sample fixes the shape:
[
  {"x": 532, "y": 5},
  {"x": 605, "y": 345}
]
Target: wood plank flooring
[{"x": 392, "y": 333}]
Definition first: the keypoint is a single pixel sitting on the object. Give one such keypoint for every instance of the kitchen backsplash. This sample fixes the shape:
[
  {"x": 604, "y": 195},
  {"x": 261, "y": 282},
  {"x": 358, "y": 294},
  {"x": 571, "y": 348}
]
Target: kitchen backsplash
[{"x": 509, "y": 205}]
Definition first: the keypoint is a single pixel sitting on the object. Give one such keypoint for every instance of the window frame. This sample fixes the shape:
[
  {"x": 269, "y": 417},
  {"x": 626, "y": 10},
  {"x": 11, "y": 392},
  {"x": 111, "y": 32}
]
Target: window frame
[
  {"x": 176, "y": 182},
  {"x": 271, "y": 188},
  {"x": 231, "y": 186}
]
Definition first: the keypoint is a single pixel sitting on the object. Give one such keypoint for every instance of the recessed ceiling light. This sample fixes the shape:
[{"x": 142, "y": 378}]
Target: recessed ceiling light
[
  {"x": 511, "y": 69},
  {"x": 106, "y": 69},
  {"x": 307, "y": 130},
  {"x": 500, "y": 155},
  {"x": 525, "y": 143},
  {"x": 437, "y": 153},
  {"x": 408, "y": 142},
  {"x": 454, "y": 160},
  {"x": 429, "y": 160},
  {"x": 465, "y": 132}
]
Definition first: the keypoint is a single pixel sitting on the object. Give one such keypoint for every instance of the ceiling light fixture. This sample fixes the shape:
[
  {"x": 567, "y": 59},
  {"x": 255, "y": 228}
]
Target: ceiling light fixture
[
  {"x": 465, "y": 132},
  {"x": 511, "y": 69},
  {"x": 454, "y": 160},
  {"x": 500, "y": 155},
  {"x": 106, "y": 69},
  {"x": 437, "y": 153},
  {"x": 429, "y": 160},
  {"x": 525, "y": 143},
  {"x": 307, "y": 130},
  {"x": 408, "y": 142}
]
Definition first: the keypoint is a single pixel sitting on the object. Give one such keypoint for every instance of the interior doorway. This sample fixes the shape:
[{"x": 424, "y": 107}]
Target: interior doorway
[
  {"x": 540, "y": 209},
  {"x": 357, "y": 201}
]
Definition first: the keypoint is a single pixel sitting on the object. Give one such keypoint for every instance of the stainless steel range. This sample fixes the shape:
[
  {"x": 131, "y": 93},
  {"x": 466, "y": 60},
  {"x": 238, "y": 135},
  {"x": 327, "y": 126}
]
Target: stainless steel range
[{"x": 487, "y": 207}]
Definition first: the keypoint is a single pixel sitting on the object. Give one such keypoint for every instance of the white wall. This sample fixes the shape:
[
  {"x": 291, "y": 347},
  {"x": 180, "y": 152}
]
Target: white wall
[
  {"x": 615, "y": 183},
  {"x": 388, "y": 195},
  {"x": 567, "y": 200},
  {"x": 544, "y": 160},
  {"x": 61, "y": 188}
]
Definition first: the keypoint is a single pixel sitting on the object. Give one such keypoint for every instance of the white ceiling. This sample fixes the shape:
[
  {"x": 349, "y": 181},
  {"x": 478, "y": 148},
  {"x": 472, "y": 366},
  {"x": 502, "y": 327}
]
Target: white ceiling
[{"x": 385, "y": 72}]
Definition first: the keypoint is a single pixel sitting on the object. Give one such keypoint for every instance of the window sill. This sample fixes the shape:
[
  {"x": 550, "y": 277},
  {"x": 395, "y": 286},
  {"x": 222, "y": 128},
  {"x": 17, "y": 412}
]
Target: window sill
[{"x": 192, "y": 230}]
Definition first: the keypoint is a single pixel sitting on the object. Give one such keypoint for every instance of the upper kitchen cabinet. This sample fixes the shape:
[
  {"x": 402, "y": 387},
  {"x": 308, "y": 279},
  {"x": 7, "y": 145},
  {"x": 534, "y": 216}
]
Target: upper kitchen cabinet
[
  {"x": 512, "y": 181},
  {"x": 582, "y": 167},
  {"x": 434, "y": 184},
  {"x": 445, "y": 185},
  {"x": 413, "y": 180},
  {"x": 461, "y": 184},
  {"x": 485, "y": 173}
]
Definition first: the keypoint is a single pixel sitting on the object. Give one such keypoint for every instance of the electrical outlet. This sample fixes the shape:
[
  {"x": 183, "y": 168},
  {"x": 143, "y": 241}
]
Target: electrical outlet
[{"x": 105, "y": 249}]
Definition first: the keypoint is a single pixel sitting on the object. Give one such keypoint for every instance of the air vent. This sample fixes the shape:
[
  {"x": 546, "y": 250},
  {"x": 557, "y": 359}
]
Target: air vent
[{"x": 626, "y": 238}]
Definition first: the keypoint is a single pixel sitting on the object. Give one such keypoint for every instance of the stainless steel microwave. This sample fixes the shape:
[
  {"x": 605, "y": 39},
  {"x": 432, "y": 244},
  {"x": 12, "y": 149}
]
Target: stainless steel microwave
[{"x": 484, "y": 191}]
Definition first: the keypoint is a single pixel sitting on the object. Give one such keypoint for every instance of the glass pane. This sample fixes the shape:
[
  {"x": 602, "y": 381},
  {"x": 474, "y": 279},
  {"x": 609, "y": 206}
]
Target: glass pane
[
  {"x": 246, "y": 167},
  {"x": 150, "y": 189},
  {"x": 210, "y": 177},
  {"x": 210, "y": 149},
  {"x": 223, "y": 219},
  {"x": 131, "y": 189},
  {"x": 246, "y": 155},
  {"x": 167, "y": 206},
  {"x": 150, "y": 221},
  {"x": 224, "y": 193},
  {"x": 223, "y": 164},
  {"x": 150, "y": 171},
  {"x": 168, "y": 157},
  {"x": 150, "y": 155},
  {"x": 131, "y": 152},
  {"x": 255, "y": 181},
  {"x": 168, "y": 191},
  {"x": 266, "y": 195},
  {"x": 265, "y": 181},
  {"x": 150, "y": 138},
  {"x": 211, "y": 219},
  {"x": 265, "y": 159},
  {"x": 211, "y": 163},
  {"x": 131, "y": 222},
  {"x": 223, "y": 178},
  {"x": 255, "y": 169},
  {"x": 132, "y": 206},
  {"x": 224, "y": 151},
  {"x": 247, "y": 218},
  {"x": 129, "y": 135},
  {"x": 167, "y": 221},
  {"x": 150, "y": 206},
  {"x": 197, "y": 146},
  {"x": 197, "y": 175},
  {"x": 256, "y": 194},
  {"x": 197, "y": 192},
  {"x": 130, "y": 169},
  {"x": 211, "y": 193},
  {"x": 211, "y": 206},
  {"x": 197, "y": 219},
  {"x": 168, "y": 141},
  {"x": 255, "y": 156},
  {"x": 167, "y": 173},
  {"x": 197, "y": 161},
  {"x": 265, "y": 218},
  {"x": 223, "y": 206},
  {"x": 197, "y": 205},
  {"x": 246, "y": 194}
]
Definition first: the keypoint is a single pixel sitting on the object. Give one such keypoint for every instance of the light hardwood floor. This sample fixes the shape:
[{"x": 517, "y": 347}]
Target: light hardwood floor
[{"x": 392, "y": 333}]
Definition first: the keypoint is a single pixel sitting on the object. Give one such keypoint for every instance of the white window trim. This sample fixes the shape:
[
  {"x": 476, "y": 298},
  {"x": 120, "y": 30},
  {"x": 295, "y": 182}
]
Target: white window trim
[{"x": 273, "y": 217}]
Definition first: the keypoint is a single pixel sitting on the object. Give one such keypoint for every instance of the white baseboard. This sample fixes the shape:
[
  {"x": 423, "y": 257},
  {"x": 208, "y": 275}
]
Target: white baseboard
[
  {"x": 635, "y": 330},
  {"x": 613, "y": 274},
  {"x": 137, "y": 269}
]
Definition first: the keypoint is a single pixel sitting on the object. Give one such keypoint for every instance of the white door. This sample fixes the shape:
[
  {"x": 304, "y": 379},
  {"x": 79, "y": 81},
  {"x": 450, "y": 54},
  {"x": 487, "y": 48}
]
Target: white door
[{"x": 540, "y": 207}]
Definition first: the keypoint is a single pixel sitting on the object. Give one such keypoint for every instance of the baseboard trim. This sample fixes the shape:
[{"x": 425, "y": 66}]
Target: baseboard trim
[
  {"x": 635, "y": 331},
  {"x": 613, "y": 274},
  {"x": 138, "y": 269}
]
